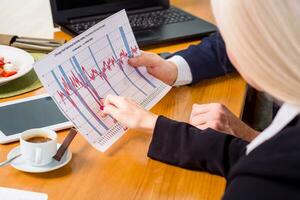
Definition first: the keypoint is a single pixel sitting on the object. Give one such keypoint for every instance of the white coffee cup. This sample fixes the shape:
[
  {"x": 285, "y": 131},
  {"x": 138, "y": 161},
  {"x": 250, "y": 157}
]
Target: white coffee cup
[{"x": 38, "y": 153}]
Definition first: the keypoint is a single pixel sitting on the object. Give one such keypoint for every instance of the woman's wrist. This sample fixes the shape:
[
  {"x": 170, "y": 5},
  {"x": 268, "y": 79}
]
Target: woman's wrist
[
  {"x": 245, "y": 132},
  {"x": 172, "y": 76},
  {"x": 148, "y": 122}
]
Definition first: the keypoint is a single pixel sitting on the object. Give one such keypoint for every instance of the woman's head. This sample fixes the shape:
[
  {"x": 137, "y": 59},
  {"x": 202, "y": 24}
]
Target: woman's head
[{"x": 263, "y": 41}]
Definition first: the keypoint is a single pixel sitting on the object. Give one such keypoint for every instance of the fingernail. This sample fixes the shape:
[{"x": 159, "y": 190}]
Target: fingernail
[
  {"x": 102, "y": 100},
  {"x": 101, "y": 107},
  {"x": 131, "y": 60}
]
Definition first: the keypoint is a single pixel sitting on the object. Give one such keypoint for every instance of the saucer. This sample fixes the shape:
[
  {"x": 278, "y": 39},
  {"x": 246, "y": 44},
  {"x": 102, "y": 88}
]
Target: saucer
[{"x": 20, "y": 164}]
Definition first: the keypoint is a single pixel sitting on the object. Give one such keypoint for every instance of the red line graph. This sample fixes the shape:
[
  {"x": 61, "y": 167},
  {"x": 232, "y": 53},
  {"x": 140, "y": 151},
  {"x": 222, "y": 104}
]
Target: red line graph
[{"x": 92, "y": 73}]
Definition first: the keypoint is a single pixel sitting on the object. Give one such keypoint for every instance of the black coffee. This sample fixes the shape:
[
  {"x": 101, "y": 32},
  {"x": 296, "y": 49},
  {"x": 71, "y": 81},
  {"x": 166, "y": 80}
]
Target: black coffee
[{"x": 38, "y": 139}]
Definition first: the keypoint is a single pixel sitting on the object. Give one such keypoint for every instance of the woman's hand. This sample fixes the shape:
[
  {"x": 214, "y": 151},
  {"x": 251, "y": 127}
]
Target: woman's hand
[
  {"x": 219, "y": 118},
  {"x": 160, "y": 68},
  {"x": 129, "y": 113}
]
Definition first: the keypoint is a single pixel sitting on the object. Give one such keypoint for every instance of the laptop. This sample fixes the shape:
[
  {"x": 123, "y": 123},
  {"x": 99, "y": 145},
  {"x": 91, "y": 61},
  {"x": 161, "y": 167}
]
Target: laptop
[{"x": 153, "y": 22}]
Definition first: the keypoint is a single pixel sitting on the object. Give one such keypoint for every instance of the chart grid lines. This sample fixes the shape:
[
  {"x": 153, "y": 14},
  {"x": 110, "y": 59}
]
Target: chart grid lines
[
  {"x": 84, "y": 71},
  {"x": 130, "y": 54},
  {"x": 87, "y": 84},
  {"x": 80, "y": 97},
  {"x": 119, "y": 63},
  {"x": 74, "y": 104}
]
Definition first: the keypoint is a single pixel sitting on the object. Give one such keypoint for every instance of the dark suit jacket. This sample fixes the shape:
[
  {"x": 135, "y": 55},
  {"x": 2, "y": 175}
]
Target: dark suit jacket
[
  {"x": 271, "y": 171},
  {"x": 208, "y": 59}
]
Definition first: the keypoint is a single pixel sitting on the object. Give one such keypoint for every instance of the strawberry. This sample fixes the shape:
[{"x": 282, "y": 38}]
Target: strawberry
[{"x": 8, "y": 73}]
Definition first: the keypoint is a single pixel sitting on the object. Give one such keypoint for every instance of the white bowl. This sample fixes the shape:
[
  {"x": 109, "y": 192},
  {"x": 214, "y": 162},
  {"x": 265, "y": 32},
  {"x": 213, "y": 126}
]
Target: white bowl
[{"x": 19, "y": 58}]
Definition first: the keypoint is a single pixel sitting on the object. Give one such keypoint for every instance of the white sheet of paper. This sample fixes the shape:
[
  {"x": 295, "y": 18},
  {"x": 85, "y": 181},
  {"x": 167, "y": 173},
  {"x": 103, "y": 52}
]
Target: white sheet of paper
[
  {"x": 14, "y": 194},
  {"x": 89, "y": 67}
]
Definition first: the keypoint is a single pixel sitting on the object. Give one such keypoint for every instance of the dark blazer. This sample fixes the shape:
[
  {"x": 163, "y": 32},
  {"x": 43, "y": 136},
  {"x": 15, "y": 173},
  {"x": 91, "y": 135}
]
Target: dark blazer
[
  {"x": 208, "y": 59},
  {"x": 271, "y": 171}
]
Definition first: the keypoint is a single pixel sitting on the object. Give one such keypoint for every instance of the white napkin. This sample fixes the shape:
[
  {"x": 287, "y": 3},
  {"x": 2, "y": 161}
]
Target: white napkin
[{"x": 14, "y": 194}]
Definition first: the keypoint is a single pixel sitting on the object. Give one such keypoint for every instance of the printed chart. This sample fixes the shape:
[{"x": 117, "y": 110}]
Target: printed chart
[{"x": 79, "y": 74}]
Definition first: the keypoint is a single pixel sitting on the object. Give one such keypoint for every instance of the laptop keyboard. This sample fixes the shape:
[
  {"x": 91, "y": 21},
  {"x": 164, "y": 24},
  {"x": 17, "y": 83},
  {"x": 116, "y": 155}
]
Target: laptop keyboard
[
  {"x": 144, "y": 20},
  {"x": 158, "y": 18}
]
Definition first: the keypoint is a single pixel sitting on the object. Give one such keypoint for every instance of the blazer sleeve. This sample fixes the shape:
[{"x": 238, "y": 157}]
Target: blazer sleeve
[
  {"x": 186, "y": 146},
  {"x": 207, "y": 59}
]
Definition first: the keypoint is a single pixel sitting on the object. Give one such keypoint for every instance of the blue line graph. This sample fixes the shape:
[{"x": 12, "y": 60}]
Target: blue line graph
[
  {"x": 121, "y": 67},
  {"x": 85, "y": 80},
  {"x": 81, "y": 98},
  {"x": 74, "y": 104},
  {"x": 130, "y": 55},
  {"x": 82, "y": 78},
  {"x": 82, "y": 72},
  {"x": 125, "y": 41},
  {"x": 101, "y": 71}
]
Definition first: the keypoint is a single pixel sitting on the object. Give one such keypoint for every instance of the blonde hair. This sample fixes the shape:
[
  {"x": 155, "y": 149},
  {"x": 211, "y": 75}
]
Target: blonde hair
[{"x": 264, "y": 37}]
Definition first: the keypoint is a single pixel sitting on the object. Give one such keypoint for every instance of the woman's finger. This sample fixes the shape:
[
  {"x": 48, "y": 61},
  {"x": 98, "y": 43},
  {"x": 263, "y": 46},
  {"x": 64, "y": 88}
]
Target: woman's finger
[
  {"x": 198, "y": 120},
  {"x": 200, "y": 109},
  {"x": 203, "y": 116},
  {"x": 202, "y": 126},
  {"x": 145, "y": 59},
  {"x": 114, "y": 100},
  {"x": 111, "y": 110},
  {"x": 212, "y": 119},
  {"x": 211, "y": 124}
]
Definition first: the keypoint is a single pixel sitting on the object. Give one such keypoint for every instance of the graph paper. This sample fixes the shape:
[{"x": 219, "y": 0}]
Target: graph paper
[{"x": 81, "y": 73}]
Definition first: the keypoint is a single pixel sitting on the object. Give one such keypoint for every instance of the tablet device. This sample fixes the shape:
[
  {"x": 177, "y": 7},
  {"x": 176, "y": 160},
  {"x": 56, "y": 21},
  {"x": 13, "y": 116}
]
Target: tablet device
[{"x": 33, "y": 112}]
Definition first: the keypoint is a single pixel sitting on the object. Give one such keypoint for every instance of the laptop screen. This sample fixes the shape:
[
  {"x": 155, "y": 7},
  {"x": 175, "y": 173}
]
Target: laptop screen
[{"x": 73, "y": 4}]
